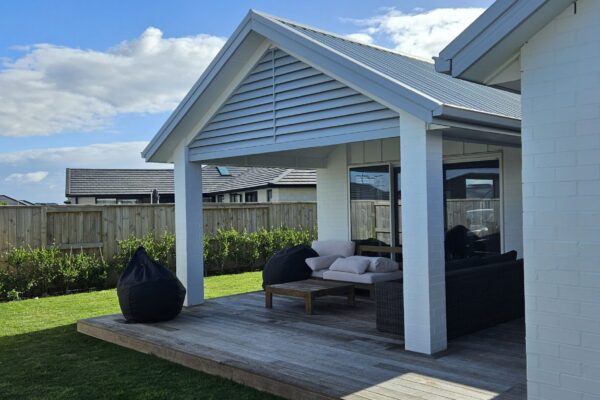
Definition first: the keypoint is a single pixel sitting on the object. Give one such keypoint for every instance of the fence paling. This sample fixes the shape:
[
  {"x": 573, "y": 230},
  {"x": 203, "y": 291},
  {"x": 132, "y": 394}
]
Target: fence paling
[{"x": 98, "y": 228}]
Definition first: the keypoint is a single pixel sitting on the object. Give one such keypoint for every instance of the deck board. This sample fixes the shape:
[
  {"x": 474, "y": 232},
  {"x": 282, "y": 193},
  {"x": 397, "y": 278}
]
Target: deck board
[{"x": 335, "y": 353}]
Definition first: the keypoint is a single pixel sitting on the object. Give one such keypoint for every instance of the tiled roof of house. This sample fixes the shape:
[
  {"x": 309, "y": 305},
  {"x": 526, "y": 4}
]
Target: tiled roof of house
[{"x": 95, "y": 182}]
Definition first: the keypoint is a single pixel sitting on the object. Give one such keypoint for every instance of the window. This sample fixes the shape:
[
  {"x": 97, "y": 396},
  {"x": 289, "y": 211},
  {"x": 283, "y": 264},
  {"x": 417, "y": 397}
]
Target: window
[
  {"x": 223, "y": 171},
  {"x": 398, "y": 206},
  {"x": 251, "y": 197},
  {"x": 370, "y": 205},
  {"x": 220, "y": 198},
  {"x": 106, "y": 201},
  {"x": 208, "y": 199},
  {"x": 269, "y": 195},
  {"x": 235, "y": 198},
  {"x": 127, "y": 201},
  {"x": 472, "y": 208}
]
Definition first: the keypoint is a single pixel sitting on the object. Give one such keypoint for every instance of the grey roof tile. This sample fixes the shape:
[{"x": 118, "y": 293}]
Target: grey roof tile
[{"x": 95, "y": 182}]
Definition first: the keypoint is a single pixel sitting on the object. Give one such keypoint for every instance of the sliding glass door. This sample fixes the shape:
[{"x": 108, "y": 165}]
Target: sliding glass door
[
  {"x": 472, "y": 208},
  {"x": 370, "y": 218}
]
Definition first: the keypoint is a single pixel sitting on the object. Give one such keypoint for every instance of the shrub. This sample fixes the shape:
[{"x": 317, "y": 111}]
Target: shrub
[
  {"x": 161, "y": 250},
  {"x": 38, "y": 272},
  {"x": 229, "y": 251}
]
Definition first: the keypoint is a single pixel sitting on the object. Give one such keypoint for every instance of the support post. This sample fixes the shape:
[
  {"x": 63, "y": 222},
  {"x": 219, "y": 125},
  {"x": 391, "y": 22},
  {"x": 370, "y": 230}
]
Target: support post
[
  {"x": 189, "y": 226},
  {"x": 421, "y": 161}
]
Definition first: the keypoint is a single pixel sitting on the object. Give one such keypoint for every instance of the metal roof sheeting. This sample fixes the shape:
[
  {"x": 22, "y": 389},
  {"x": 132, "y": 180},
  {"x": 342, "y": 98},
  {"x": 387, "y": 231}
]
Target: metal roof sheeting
[{"x": 419, "y": 75}]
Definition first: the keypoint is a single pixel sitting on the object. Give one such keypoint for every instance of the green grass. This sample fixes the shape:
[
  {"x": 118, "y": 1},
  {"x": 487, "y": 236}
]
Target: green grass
[{"x": 43, "y": 357}]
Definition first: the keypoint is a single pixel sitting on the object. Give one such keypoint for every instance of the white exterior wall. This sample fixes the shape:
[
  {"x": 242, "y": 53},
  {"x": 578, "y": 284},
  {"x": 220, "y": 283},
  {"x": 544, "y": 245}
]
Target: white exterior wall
[
  {"x": 561, "y": 190},
  {"x": 332, "y": 197},
  {"x": 297, "y": 194},
  {"x": 85, "y": 200}
]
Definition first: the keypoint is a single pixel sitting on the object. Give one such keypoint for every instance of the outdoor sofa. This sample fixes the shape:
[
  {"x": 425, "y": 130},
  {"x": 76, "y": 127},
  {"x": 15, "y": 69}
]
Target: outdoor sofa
[
  {"x": 481, "y": 292},
  {"x": 348, "y": 249}
]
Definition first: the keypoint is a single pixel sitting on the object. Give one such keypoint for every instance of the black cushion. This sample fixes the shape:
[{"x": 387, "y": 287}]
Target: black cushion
[
  {"x": 499, "y": 258},
  {"x": 288, "y": 265},
  {"x": 469, "y": 262},
  {"x": 149, "y": 292}
]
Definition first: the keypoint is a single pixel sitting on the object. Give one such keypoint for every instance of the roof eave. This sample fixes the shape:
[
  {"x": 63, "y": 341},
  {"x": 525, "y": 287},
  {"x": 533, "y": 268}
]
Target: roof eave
[
  {"x": 452, "y": 113},
  {"x": 495, "y": 36}
]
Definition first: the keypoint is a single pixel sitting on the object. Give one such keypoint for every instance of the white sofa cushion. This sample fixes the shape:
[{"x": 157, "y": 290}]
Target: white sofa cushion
[
  {"x": 343, "y": 248},
  {"x": 355, "y": 265},
  {"x": 366, "y": 278},
  {"x": 318, "y": 274},
  {"x": 382, "y": 264},
  {"x": 321, "y": 262}
]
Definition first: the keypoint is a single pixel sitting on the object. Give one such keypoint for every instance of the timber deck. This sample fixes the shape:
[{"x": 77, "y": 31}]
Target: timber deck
[{"x": 335, "y": 353}]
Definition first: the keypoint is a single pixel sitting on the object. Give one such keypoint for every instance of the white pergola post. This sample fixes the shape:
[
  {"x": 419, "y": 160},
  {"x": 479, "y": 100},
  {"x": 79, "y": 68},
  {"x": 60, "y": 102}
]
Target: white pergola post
[
  {"x": 422, "y": 237},
  {"x": 188, "y": 226}
]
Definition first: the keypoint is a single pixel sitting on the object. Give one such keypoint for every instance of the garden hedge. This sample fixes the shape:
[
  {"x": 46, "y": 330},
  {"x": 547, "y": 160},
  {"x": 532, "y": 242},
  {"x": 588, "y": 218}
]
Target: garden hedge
[{"x": 30, "y": 272}]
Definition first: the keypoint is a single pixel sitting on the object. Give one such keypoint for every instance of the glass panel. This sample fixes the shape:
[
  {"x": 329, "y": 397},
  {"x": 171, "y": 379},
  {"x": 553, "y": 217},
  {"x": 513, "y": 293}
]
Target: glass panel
[
  {"x": 370, "y": 205},
  {"x": 398, "y": 202},
  {"x": 472, "y": 206}
]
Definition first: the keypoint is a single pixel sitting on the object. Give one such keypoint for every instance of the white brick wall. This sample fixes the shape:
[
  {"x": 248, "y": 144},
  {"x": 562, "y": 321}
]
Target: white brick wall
[
  {"x": 332, "y": 197},
  {"x": 561, "y": 201}
]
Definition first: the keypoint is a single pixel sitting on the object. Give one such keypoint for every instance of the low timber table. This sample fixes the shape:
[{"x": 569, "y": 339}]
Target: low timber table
[{"x": 308, "y": 290}]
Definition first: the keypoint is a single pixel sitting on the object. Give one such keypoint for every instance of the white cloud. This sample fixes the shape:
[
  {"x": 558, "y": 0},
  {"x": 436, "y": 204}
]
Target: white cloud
[
  {"x": 420, "y": 33},
  {"x": 27, "y": 177},
  {"x": 361, "y": 37},
  {"x": 52, "y": 89},
  {"x": 53, "y": 162}
]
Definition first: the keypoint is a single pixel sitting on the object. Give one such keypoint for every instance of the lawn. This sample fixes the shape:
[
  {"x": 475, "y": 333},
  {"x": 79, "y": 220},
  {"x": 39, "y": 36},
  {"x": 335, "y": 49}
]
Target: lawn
[{"x": 43, "y": 357}]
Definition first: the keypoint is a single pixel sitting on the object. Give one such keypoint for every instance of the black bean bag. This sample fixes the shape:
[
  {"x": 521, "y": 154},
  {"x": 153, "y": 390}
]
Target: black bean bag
[
  {"x": 288, "y": 265},
  {"x": 149, "y": 292}
]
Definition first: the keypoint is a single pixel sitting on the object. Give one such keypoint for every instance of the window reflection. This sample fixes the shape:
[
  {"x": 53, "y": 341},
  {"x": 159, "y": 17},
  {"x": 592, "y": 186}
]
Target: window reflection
[
  {"x": 370, "y": 205},
  {"x": 472, "y": 208}
]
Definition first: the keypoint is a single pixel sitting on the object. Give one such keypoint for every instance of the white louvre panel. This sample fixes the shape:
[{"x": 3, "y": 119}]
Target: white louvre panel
[{"x": 284, "y": 100}]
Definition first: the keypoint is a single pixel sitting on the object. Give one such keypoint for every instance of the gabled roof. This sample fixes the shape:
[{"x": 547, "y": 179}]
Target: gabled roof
[
  {"x": 496, "y": 37},
  {"x": 419, "y": 75},
  {"x": 14, "y": 202},
  {"x": 113, "y": 182},
  {"x": 395, "y": 80}
]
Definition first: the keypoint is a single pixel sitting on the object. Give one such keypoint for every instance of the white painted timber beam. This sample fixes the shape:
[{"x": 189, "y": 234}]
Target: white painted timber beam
[
  {"x": 422, "y": 237},
  {"x": 189, "y": 225}
]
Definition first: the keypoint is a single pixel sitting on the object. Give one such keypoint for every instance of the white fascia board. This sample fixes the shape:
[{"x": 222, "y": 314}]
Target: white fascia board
[
  {"x": 452, "y": 113},
  {"x": 346, "y": 70},
  {"x": 496, "y": 36},
  {"x": 209, "y": 73}
]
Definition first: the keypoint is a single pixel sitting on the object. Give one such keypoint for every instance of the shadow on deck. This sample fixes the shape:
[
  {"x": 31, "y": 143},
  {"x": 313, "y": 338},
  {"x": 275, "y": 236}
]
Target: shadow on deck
[{"x": 335, "y": 353}]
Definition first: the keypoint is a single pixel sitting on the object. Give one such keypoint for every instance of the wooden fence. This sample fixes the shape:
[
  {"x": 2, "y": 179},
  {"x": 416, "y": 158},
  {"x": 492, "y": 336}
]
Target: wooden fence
[{"x": 100, "y": 227}]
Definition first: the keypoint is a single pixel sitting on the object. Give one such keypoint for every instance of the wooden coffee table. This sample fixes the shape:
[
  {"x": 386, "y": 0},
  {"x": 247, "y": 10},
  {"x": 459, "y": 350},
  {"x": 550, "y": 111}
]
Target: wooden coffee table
[{"x": 308, "y": 290}]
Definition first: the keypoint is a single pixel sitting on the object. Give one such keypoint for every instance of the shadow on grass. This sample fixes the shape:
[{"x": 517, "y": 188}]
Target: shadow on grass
[{"x": 59, "y": 363}]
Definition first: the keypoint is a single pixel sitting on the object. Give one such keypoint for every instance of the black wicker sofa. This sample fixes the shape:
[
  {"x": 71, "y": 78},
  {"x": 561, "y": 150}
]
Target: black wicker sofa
[{"x": 480, "y": 292}]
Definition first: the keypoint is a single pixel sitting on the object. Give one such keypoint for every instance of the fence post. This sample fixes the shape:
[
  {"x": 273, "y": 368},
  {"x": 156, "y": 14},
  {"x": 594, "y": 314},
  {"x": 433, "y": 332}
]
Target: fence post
[{"x": 43, "y": 226}]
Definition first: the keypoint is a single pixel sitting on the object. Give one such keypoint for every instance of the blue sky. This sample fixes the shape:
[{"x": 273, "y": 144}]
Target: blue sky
[{"x": 88, "y": 83}]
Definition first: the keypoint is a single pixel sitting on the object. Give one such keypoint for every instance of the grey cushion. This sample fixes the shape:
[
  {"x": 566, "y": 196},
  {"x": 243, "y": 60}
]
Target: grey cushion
[
  {"x": 321, "y": 262},
  {"x": 355, "y": 265},
  {"x": 344, "y": 248},
  {"x": 318, "y": 274},
  {"x": 366, "y": 278},
  {"x": 382, "y": 264}
]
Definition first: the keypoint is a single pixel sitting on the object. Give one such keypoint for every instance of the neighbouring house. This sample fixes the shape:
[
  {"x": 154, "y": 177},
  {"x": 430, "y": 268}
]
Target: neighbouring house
[
  {"x": 220, "y": 184},
  {"x": 9, "y": 201},
  {"x": 403, "y": 154},
  {"x": 549, "y": 52}
]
